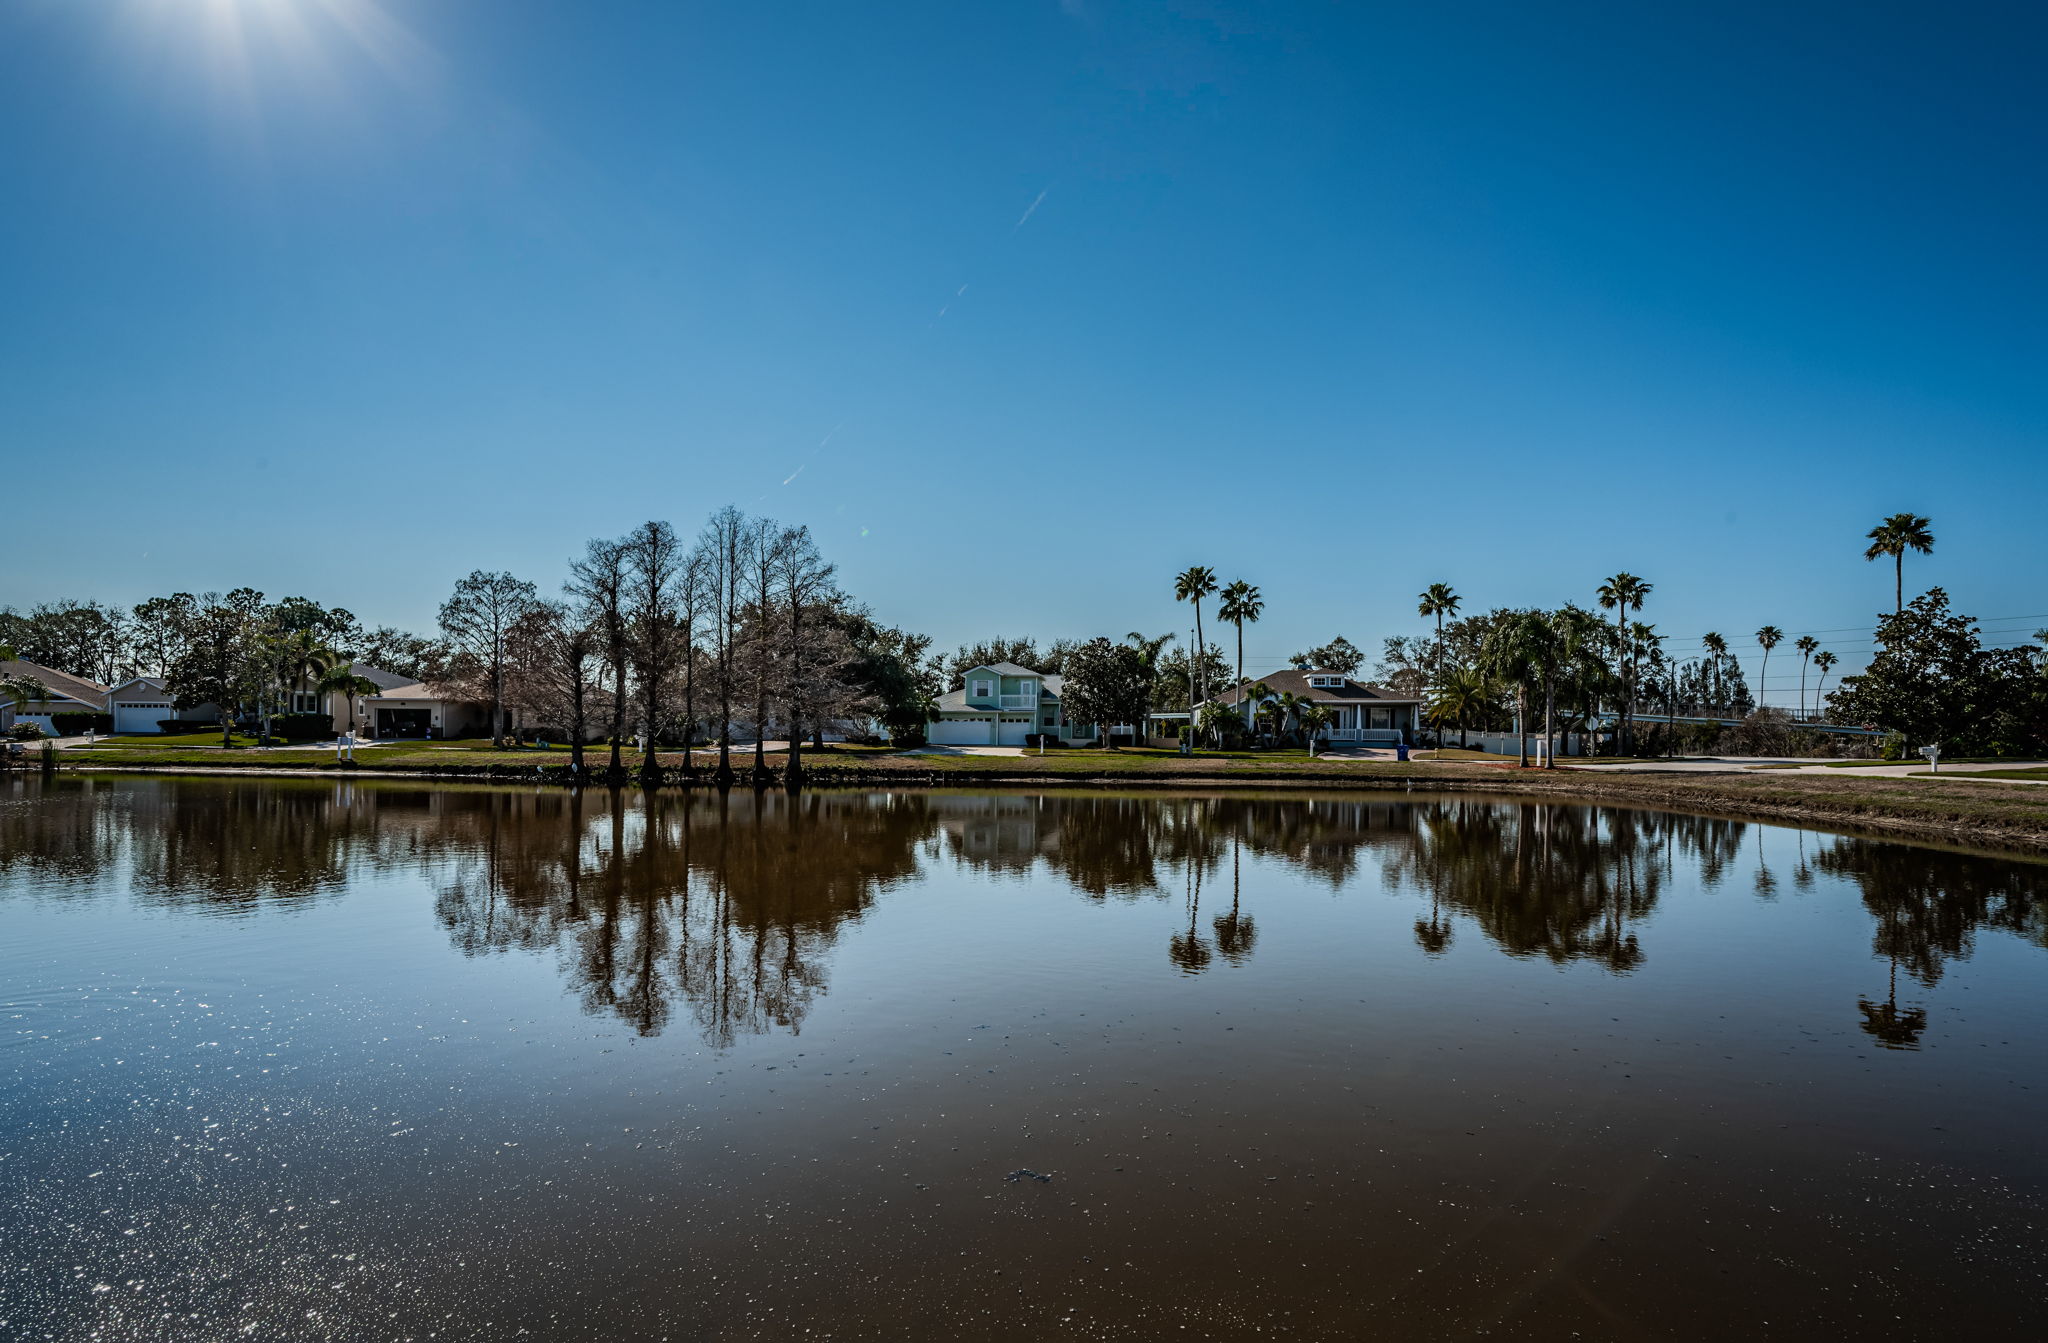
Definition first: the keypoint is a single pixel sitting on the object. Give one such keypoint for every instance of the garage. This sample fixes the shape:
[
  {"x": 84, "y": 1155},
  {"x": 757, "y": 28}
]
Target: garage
[
  {"x": 960, "y": 732},
  {"x": 1011, "y": 732},
  {"x": 141, "y": 715}
]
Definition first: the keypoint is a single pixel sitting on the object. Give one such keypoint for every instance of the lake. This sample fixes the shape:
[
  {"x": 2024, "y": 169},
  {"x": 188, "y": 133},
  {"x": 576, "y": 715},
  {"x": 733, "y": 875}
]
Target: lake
[{"x": 317, "y": 1060}]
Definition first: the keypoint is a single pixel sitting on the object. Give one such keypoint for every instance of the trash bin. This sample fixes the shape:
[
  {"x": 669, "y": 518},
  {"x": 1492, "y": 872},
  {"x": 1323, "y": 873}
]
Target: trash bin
[{"x": 1400, "y": 750}]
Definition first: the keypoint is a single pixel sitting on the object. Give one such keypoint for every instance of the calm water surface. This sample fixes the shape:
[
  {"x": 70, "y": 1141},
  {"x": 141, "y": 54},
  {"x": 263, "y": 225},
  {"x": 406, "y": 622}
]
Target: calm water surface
[{"x": 307, "y": 1060}]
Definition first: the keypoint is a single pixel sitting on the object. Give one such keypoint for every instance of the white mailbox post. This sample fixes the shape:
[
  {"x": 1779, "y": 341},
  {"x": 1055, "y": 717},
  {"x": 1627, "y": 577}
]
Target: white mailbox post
[{"x": 1933, "y": 754}]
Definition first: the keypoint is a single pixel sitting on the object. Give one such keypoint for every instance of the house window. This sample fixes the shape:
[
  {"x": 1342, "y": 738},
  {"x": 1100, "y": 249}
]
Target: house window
[
  {"x": 1383, "y": 718},
  {"x": 1050, "y": 721},
  {"x": 981, "y": 689}
]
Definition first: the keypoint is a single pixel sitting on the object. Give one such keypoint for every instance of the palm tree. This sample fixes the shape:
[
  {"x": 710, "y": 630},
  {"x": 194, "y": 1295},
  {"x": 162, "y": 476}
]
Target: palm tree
[
  {"x": 1767, "y": 638},
  {"x": 1254, "y": 695},
  {"x": 1617, "y": 594},
  {"x": 1825, "y": 661},
  {"x": 1895, "y": 536},
  {"x": 341, "y": 679},
  {"x": 1148, "y": 648},
  {"x": 1241, "y": 606},
  {"x": 1457, "y": 697},
  {"x": 1521, "y": 652},
  {"x": 1806, "y": 644},
  {"x": 1717, "y": 649},
  {"x": 1437, "y": 600},
  {"x": 1191, "y": 585},
  {"x": 1313, "y": 718},
  {"x": 1288, "y": 706}
]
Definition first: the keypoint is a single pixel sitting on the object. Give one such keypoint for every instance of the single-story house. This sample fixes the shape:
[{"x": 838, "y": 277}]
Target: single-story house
[
  {"x": 66, "y": 694},
  {"x": 418, "y": 710},
  {"x": 1000, "y": 705},
  {"x": 142, "y": 703},
  {"x": 1364, "y": 714}
]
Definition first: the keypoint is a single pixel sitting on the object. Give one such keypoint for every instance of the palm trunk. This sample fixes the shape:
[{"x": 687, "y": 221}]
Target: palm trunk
[
  {"x": 1522, "y": 722},
  {"x": 1899, "y": 583},
  {"x": 1200, "y": 668},
  {"x": 1549, "y": 720}
]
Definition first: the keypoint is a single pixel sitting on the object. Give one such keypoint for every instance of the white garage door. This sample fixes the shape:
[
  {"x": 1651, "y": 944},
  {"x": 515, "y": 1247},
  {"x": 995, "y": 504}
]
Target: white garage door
[
  {"x": 141, "y": 715},
  {"x": 959, "y": 732},
  {"x": 1012, "y": 734}
]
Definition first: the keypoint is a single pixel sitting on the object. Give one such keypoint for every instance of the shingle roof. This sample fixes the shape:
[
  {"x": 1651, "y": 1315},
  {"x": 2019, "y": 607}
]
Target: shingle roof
[
  {"x": 384, "y": 679},
  {"x": 1296, "y": 682},
  {"x": 61, "y": 685}
]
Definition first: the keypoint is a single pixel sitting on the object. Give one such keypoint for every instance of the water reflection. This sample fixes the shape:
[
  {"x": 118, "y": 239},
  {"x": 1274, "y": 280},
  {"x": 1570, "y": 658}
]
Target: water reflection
[{"x": 726, "y": 909}]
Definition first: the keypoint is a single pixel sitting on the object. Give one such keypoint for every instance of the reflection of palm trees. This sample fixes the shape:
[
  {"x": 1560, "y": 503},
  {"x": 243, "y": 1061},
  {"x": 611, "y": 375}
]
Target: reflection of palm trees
[
  {"x": 1188, "y": 950},
  {"x": 1235, "y": 932}
]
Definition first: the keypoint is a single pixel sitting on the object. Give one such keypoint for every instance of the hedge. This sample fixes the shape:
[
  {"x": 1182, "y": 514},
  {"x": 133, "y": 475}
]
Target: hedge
[
  {"x": 75, "y": 724},
  {"x": 301, "y": 726}
]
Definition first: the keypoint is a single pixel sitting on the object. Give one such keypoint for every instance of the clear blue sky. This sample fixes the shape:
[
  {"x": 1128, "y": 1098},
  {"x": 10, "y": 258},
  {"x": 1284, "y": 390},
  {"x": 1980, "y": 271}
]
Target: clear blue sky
[{"x": 1024, "y": 306}]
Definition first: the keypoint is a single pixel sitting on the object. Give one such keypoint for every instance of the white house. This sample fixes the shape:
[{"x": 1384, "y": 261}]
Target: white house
[
  {"x": 1365, "y": 714},
  {"x": 1000, "y": 705}
]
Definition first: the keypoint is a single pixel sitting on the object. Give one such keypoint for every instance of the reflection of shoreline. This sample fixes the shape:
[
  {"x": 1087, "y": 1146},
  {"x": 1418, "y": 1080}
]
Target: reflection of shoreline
[
  {"x": 1932, "y": 812},
  {"x": 729, "y": 906}
]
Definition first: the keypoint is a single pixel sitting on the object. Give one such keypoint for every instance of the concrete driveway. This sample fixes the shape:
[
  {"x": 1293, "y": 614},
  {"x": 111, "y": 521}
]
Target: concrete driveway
[{"x": 966, "y": 750}]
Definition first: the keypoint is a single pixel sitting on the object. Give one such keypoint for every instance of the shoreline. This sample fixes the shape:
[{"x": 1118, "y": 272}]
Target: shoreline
[{"x": 2012, "y": 819}]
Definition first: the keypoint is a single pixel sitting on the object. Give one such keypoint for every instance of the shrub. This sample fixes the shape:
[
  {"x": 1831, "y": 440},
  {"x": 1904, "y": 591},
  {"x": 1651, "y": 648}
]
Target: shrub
[
  {"x": 180, "y": 727},
  {"x": 75, "y": 724},
  {"x": 26, "y": 732},
  {"x": 302, "y": 726}
]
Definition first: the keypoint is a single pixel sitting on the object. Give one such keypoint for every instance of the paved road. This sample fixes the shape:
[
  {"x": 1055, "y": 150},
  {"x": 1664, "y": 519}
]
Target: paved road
[{"x": 1805, "y": 765}]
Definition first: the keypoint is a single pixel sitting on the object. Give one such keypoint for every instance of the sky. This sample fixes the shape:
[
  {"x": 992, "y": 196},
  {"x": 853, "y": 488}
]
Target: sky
[{"x": 1023, "y": 306}]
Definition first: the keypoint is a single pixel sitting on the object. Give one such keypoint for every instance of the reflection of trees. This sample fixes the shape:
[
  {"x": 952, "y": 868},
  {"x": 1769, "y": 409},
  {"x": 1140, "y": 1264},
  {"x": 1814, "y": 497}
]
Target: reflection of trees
[
  {"x": 1929, "y": 905},
  {"x": 723, "y": 909},
  {"x": 725, "y": 904},
  {"x": 1564, "y": 883}
]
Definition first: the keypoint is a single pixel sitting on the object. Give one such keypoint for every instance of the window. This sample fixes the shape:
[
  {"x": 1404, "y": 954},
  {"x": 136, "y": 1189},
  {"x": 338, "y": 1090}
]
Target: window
[
  {"x": 981, "y": 690},
  {"x": 1050, "y": 721}
]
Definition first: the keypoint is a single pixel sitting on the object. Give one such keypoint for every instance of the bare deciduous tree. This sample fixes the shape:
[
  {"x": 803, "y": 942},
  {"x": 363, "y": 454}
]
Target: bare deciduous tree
[
  {"x": 598, "y": 583},
  {"x": 478, "y": 617},
  {"x": 654, "y": 563}
]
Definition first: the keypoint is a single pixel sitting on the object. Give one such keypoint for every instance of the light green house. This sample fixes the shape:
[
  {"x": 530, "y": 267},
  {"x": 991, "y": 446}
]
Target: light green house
[{"x": 1002, "y": 704}]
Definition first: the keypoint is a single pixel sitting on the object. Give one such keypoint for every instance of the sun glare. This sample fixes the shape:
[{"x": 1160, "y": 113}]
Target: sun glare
[{"x": 249, "y": 55}]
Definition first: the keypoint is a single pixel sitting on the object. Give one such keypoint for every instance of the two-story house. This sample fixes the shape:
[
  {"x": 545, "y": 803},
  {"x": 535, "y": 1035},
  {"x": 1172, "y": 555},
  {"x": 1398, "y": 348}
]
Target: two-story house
[{"x": 1002, "y": 704}]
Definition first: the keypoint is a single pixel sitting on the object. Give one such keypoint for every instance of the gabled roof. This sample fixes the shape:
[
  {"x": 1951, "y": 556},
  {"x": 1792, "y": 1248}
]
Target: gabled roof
[
  {"x": 154, "y": 685},
  {"x": 61, "y": 685},
  {"x": 1296, "y": 682},
  {"x": 1005, "y": 669}
]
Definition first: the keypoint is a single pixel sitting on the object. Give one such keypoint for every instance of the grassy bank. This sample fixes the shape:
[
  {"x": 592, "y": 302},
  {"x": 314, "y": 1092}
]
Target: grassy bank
[{"x": 1976, "y": 810}]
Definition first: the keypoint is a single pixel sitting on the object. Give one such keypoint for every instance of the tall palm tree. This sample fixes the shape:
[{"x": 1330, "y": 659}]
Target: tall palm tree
[
  {"x": 1241, "y": 606},
  {"x": 1806, "y": 644},
  {"x": 1717, "y": 649},
  {"x": 1895, "y": 536},
  {"x": 1825, "y": 661},
  {"x": 1437, "y": 600},
  {"x": 1618, "y": 594},
  {"x": 1767, "y": 638},
  {"x": 1191, "y": 585},
  {"x": 1149, "y": 647}
]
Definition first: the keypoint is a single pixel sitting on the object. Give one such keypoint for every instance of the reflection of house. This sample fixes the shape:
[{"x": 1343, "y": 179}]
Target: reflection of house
[
  {"x": 66, "y": 694},
  {"x": 1000, "y": 705},
  {"x": 1372, "y": 715}
]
